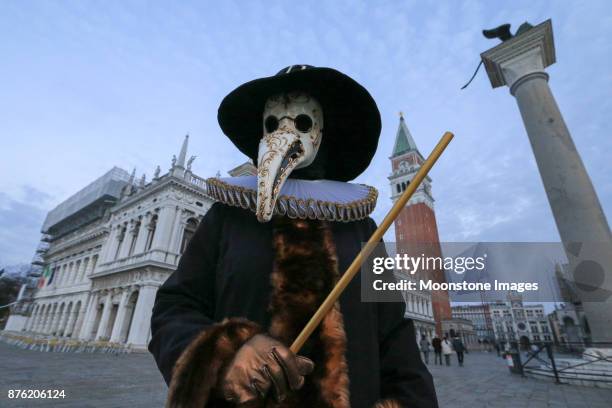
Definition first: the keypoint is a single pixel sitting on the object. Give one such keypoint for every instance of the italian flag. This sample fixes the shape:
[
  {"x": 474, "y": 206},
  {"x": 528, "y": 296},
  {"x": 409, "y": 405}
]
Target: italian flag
[{"x": 44, "y": 277}]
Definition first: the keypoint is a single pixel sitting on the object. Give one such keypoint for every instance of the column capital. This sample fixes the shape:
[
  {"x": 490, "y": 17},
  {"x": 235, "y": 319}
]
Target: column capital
[{"x": 524, "y": 55}]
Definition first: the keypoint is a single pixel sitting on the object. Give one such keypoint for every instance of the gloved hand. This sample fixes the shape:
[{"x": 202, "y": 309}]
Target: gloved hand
[{"x": 261, "y": 364}]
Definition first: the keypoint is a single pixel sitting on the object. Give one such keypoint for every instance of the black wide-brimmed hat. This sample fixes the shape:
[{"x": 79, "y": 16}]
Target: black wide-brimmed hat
[{"x": 351, "y": 120}]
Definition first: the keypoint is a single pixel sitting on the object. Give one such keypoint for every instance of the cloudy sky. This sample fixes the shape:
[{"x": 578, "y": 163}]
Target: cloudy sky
[{"x": 86, "y": 85}]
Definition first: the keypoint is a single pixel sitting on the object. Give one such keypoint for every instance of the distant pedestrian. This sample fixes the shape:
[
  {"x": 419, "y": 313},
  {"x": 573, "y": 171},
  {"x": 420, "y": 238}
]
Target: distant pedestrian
[
  {"x": 437, "y": 346},
  {"x": 447, "y": 350},
  {"x": 424, "y": 345},
  {"x": 459, "y": 349}
]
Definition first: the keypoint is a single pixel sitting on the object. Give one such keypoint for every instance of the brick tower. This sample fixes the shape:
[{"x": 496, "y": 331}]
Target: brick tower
[{"x": 416, "y": 231}]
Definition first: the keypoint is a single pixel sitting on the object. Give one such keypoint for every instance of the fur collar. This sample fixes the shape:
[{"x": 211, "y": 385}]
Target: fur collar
[{"x": 305, "y": 270}]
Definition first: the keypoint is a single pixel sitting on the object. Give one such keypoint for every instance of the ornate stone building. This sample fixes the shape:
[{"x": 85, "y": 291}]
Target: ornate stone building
[
  {"x": 480, "y": 316},
  {"x": 516, "y": 322},
  {"x": 416, "y": 232},
  {"x": 107, "y": 249}
]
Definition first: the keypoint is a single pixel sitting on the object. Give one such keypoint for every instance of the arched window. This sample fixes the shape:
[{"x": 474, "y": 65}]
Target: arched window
[
  {"x": 190, "y": 228},
  {"x": 398, "y": 188},
  {"x": 151, "y": 233}
]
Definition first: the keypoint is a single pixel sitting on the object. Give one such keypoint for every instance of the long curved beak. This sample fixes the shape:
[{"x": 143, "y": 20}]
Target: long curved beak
[{"x": 279, "y": 154}]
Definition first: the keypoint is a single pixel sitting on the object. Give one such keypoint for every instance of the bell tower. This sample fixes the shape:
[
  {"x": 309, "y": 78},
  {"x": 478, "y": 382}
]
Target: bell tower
[{"x": 416, "y": 230}]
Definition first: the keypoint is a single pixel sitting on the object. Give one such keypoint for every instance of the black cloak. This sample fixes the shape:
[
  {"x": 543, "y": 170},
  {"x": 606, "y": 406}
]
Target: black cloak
[{"x": 231, "y": 284}]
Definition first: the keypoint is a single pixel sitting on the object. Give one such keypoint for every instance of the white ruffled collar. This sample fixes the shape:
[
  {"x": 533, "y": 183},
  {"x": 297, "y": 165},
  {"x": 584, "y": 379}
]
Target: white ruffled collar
[{"x": 306, "y": 199}]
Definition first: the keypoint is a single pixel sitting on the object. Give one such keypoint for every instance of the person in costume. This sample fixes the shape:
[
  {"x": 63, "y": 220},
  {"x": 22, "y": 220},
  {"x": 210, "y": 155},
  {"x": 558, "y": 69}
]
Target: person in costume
[{"x": 269, "y": 251}]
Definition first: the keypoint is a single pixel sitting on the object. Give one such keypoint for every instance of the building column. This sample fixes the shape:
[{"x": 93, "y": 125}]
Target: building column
[
  {"x": 127, "y": 240},
  {"x": 77, "y": 266},
  {"x": 46, "y": 319},
  {"x": 56, "y": 319},
  {"x": 104, "y": 252},
  {"x": 41, "y": 319},
  {"x": 57, "y": 279},
  {"x": 93, "y": 263},
  {"x": 84, "y": 267},
  {"x": 71, "y": 320},
  {"x": 519, "y": 63},
  {"x": 164, "y": 228},
  {"x": 141, "y": 322},
  {"x": 61, "y": 328},
  {"x": 90, "y": 316},
  {"x": 66, "y": 275},
  {"x": 119, "y": 320},
  {"x": 143, "y": 231},
  {"x": 30, "y": 322},
  {"x": 105, "y": 315},
  {"x": 111, "y": 246},
  {"x": 76, "y": 330},
  {"x": 49, "y": 322},
  {"x": 178, "y": 228}
]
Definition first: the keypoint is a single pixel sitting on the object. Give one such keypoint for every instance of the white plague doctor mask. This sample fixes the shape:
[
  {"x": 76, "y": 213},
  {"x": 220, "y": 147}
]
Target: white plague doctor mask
[{"x": 293, "y": 128}]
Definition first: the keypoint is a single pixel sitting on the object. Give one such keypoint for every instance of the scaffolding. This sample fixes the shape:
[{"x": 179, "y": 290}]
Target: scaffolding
[{"x": 107, "y": 186}]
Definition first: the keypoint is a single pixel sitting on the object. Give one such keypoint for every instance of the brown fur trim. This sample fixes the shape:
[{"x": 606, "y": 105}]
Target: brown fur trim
[
  {"x": 196, "y": 372},
  {"x": 388, "y": 403},
  {"x": 305, "y": 271}
]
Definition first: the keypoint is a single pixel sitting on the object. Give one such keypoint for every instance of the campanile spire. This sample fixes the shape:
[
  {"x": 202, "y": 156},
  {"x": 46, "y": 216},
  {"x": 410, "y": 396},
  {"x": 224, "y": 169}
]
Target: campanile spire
[{"x": 416, "y": 230}]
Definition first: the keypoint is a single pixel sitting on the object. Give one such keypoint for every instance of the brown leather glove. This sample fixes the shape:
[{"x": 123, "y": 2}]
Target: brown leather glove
[{"x": 261, "y": 364}]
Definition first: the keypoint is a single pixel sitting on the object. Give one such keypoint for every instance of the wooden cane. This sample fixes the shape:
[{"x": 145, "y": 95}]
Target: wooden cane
[{"x": 352, "y": 270}]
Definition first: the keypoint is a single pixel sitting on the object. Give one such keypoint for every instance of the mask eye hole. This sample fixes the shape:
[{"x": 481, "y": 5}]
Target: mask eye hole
[
  {"x": 271, "y": 124},
  {"x": 303, "y": 123}
]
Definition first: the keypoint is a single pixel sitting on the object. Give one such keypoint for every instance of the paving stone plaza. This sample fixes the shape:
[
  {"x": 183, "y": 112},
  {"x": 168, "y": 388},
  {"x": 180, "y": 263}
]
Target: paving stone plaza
[{"x": 132, "y": 380}]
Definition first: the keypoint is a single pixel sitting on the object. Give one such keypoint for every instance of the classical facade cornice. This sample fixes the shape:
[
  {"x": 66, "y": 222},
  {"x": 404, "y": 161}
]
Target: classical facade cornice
[
  {"x": 152, "y": 274},
  {"x": 157, "y": 186}
]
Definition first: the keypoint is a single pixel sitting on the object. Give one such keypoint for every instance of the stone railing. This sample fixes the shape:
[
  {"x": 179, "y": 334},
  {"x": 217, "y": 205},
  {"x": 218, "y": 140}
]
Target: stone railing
[{"x": 196, "y": 180}]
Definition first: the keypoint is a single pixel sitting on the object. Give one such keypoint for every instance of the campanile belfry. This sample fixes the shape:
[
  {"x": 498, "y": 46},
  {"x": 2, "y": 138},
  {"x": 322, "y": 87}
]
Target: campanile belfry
[{"x": 416, "y": 231}]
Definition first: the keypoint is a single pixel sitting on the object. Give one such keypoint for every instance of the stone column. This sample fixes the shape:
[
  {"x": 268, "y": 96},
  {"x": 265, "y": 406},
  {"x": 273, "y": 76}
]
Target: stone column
[
  {"x": 38, "y": 326},
  {"x": 127, "y": 240},
  {"x": 105, "y": 315},
  {"x": 93, "y": 264},
  {"x": 143, "y": 231},
  {"x": 163, "y": 229},
  {"x": 55, "y": 321},
  {"x": 66, "y": 275},
  {"x": 71, "y": 320},
  {"x": 90, "y": 316},
  {"x": 141, "y": 322},
  {"x": 59, "y": 275},
  {"x": 61, "y": 328},
  {"x": 77, "y": 270},
  {"x": 177, "y": 234},
  {"x": 108, "y": 244},
  {"x": 111, "y": 245},
  {"x": 30, "y": 321},
  {"x": 49, "y": 320},
  {"x": 84, "y": 266},
  {"x": 519, "y": 63},
  {"x": 76, "y": 330},
  {"x": 119, "y": 320}
]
